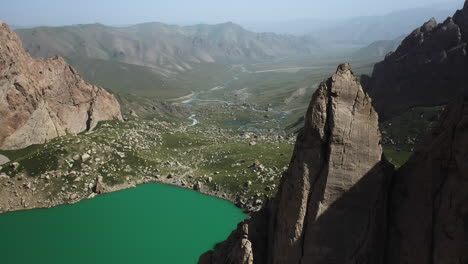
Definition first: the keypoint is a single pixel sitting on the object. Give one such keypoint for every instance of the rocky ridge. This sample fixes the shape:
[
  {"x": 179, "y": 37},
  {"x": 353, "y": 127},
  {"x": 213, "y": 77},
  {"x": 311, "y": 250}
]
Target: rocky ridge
[
  {"x": 41, "y": 99},
  {"x": 427, "y": 69}
]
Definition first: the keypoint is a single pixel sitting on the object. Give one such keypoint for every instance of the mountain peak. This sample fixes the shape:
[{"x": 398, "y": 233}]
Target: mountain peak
[
  {"x": 344, "y": 68},
  {"x": 336, "y": 170}
]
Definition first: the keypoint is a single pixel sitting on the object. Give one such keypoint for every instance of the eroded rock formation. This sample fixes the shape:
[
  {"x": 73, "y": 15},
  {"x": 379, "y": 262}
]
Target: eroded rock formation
[
  {"x": 339, "y": 202},
  {"x": 429, "y": 68},
  {"x": 44, "y": 98},
  {"x": 331, "y": 200}
]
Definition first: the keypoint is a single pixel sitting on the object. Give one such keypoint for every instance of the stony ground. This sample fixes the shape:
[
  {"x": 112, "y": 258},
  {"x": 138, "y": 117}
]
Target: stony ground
[{"x": 243, "y": 167}]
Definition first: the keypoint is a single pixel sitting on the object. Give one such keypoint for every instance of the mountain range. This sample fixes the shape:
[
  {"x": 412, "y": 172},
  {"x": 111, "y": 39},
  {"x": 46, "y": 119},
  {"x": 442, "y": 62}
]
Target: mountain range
[
  {"x": 361, "y": 30},
  {"x": 164, "y": 48},
  {"x": 365, "y": 30}
]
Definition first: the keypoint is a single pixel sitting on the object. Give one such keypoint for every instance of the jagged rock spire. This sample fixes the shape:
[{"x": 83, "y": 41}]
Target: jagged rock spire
[{"x": 335, "y": 172}]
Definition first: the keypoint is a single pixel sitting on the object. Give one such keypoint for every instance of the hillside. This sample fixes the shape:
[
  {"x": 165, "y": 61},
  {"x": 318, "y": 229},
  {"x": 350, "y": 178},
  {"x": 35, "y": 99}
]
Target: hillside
[
  {"x": 165, "y": 48},
  {"x": 367, "y": 29},
  {"x": 377, "y": 49},
  {"x": 41, "y": 99}
]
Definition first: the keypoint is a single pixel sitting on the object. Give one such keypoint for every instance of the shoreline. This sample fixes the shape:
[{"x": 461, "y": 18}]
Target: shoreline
[{"x": 126, "y": 186}]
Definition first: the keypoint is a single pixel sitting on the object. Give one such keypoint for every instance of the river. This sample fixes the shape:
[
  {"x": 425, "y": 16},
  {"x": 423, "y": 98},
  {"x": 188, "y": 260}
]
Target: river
[
  {"x": 153, "y": 223},
  {"x": 193, "y": 98}
]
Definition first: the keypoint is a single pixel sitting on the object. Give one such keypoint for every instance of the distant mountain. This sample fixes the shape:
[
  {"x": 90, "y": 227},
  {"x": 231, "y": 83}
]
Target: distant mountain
[
  {"x": 358, "y": 30},
  {"x": 165, "y": 48},
  {"x": 365, "y": 30},
  {"x": 377, "y": 49}
]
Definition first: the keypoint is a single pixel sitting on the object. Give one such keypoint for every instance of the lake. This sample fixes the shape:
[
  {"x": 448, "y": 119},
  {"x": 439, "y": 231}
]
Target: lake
[{"x": 153, "y": 223}]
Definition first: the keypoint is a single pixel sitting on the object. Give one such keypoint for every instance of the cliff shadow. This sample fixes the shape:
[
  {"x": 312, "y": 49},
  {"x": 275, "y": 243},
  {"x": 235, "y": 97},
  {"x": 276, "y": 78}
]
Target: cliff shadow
[{"x": 353, "y": 227}]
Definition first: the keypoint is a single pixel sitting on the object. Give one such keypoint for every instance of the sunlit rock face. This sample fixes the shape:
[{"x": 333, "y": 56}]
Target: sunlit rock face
[{"x": 45, "y": 98}]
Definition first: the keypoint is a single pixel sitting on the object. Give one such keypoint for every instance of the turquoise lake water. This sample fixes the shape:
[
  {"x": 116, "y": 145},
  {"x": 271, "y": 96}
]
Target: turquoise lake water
[{"x": 153, "y": 223}]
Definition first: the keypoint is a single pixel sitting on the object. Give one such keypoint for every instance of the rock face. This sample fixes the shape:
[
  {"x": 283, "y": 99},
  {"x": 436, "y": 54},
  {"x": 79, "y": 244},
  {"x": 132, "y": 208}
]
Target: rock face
[
  {"x": 332, "y": 198},
  {"x": 340, "y": 203},
  {"x": 427, "y": 69},
  {"x": 44, "y": 98},
  {"x": 429, "y": 198}
]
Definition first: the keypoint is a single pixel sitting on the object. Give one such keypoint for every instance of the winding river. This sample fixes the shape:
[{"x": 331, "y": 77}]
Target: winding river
[
  {"x": 193, "y": 98},
  {"x": 152, "y": 223}
]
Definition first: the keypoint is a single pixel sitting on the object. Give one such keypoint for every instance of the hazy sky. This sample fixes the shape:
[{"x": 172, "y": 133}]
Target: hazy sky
[{"x": 123, "y": 12}]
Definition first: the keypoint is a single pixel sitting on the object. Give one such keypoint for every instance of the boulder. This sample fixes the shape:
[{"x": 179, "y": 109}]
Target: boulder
[
  {"x": 99, "y": 187},
  {"x": 3, "y": 159},
  {"x": 85, "y": 157},
  {"x": 197, "y": 186}
]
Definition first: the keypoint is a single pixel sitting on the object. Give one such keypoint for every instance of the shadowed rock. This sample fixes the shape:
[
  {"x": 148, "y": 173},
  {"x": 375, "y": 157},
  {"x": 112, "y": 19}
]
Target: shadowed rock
[
  {"x": 429, "y": 198},
  {"x": 44, "y": 98},
  {"x": 427, "y": 69}
]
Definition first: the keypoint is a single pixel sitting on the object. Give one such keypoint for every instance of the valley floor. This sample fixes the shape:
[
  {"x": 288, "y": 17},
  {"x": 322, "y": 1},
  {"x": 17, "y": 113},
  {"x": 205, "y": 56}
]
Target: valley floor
[{"x": 232, "y": 140}]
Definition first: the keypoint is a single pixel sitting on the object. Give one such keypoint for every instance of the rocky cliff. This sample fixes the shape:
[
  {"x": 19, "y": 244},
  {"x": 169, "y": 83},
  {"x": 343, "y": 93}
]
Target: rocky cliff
[
  {"x": 429, "y": 198},
  {"x": 332, "y": 199},
  {"x": 44, "y": 98},
  {"x": 427, "y": 69},
  {"x": 341, "y": 202}
]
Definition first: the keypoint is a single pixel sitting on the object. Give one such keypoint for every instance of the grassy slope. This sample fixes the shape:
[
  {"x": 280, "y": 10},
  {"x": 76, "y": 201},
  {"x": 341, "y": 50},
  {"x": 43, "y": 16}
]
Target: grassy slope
[
  {"x": 401, "y": 134},
  {"x": 144, "y": 82},
  {"x": 156, "y": 149},
  {"x": 127, "y": 78}
]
